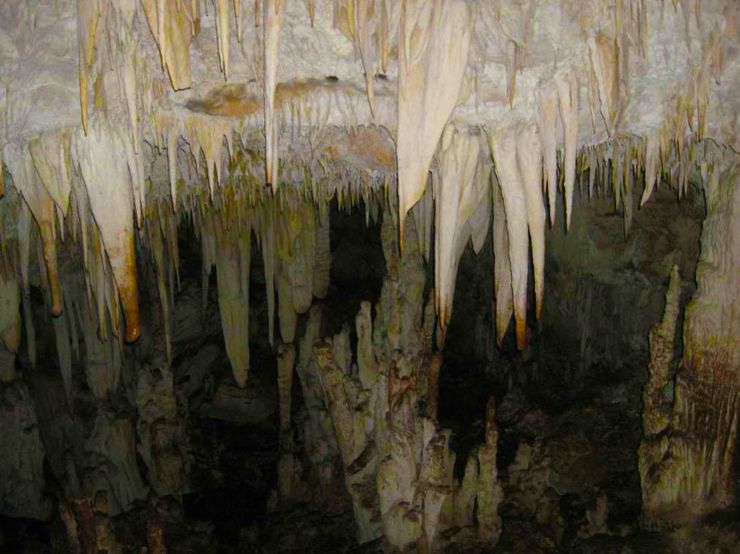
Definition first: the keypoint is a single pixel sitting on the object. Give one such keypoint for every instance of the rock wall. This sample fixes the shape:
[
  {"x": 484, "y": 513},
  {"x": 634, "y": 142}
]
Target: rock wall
[{"x": 688, "y": 457}]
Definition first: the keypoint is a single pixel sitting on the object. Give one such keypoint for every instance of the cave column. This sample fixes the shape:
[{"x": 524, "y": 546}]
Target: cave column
[{"x": 687, "y": 455}]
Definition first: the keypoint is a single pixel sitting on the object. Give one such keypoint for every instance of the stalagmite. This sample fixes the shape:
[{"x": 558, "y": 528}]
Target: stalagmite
[
  {"x": 107, "y": 178},
  {"x": 504, "y": 149},
  {"x": 686, "y": 457},
  {"x": 434, "y": 39},
  {"x": 568, "y": 90},
  {"x": 286, "y": 464},
  {"x": 10, "y": 317},
  {"x": 273, "y": 14},
  {"x": 489, "y": 491}
]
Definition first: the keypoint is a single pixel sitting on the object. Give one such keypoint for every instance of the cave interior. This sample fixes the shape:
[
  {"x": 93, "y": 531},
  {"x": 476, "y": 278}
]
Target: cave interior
[{"x": 434, "y": 276}]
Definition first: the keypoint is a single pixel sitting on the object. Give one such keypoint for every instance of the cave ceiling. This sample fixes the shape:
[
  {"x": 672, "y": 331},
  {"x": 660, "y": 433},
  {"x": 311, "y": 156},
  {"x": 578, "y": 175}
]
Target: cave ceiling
[{"x": 236, "y": 114}]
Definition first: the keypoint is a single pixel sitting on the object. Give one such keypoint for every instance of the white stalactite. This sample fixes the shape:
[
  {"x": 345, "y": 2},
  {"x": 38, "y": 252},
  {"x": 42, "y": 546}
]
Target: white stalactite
[
  {"x": 108, "y": 183},
  {"x": 233, "y": 249},
  {"x": 547, "y": 123},
  {"x": 42, "y": 208},
  {"x": 434, "y": 40},
  {"x": 652, "y": 162},
  {"x": 457, "y": 196},
  {"x": 273, "y": 12},
  {"x": 502, "y": 264},
  {"x": 568, "y": 90},
  {"x": 504, "y": 150},
  {"x": 529, "y": 153}
]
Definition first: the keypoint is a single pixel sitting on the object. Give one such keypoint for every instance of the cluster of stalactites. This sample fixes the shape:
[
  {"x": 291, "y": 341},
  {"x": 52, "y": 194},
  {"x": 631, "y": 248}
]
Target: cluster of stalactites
[
  {"x": 86, "y": 181},
  {"x": 94, "y": 179},
  {"x": 173, "y": 26},
  {"x": 50, "y": 211},
  {"x": 458, "y": 204},
  {"x": 291, "y": 228}
]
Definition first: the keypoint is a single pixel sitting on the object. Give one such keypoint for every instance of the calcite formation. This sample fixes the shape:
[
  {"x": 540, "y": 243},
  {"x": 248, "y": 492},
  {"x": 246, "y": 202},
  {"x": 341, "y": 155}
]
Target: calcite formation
[
  {"x": 125, "y": 122},
  {"x": 381, "y": 398}
]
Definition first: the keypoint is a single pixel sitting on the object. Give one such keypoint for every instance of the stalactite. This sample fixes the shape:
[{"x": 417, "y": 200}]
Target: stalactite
[
  {"x": 88, "y": 14},
  {"x": 568, "y": 91},
  {"x": 434, "y": 40},
  {"x": 222, "y": 30},
  {"x": 457, "y": 195},
  {"x": 547, "y": 123},
  {"x": 423, "y": 214},
  {"x": 502, "y": 264},
  {"x": 529, "y": 153},
  {"x": 50, "y": 153},
  {"x": 273, "y": 13},
  {"x": 24, "y": 238},
  {"x": 504, "y": 151},
  {"x": 233, "y": 247},
  {"x": 604, "y": 54},
  {"x": 207, "y": 136},
  {"x": 107, "y": 178},
  {"x": 173, "y": 25},
  {"x": 64, "y": 353},
  {"x": 160, "y": 267},
  {"x": 311, "y": 9},
  {"x": 652, "y": 161},
  {"x": 41, "y": 205}
]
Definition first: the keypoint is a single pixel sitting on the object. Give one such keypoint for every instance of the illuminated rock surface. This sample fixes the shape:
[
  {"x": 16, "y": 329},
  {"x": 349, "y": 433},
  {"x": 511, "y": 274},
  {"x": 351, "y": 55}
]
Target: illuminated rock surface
[{"x": 234, "y": 253}]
